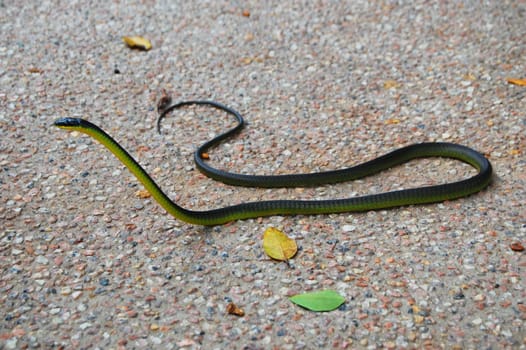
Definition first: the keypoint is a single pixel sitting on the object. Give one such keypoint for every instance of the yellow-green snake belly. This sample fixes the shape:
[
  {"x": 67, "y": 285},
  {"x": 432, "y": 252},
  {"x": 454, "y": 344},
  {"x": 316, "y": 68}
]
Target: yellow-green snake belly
[{"x": 420, "y": 195}]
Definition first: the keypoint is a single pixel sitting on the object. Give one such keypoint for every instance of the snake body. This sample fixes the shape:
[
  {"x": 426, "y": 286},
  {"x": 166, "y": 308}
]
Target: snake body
[{"x": 420, "y": 195}]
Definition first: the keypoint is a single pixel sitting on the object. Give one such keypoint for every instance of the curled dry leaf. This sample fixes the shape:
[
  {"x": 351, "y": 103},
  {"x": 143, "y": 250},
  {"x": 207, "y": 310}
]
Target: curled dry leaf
[
  {"x": 519, "y": 82},
  {"x": 517, "y": 247},
  {"x": 35, "y": 70},
  {"x": 137, "y": 42},
  {"x": 164, "y": 102},
  {"x": 233, "y": 309},
  {"x": 278, "y": 245},
  {"x": 392, "y": 121}
]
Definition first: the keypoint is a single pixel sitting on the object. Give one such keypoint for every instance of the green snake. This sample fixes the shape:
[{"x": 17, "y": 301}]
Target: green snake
[{"x": 420, "y": 195}]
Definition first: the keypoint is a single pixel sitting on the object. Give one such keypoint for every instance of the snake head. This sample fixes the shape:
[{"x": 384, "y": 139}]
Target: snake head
[
  {"x": 75, "y": 123},
  {"x": 68, "y": 122}
]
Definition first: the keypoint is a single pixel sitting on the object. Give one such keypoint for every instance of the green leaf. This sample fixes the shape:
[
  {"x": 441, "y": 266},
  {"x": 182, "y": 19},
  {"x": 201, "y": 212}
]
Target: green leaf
[{"x": 325, "y": 300}]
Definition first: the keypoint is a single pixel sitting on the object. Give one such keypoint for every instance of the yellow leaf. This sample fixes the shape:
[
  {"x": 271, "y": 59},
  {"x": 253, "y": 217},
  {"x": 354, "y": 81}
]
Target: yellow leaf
[
  {"x": 143, "y": 194},
  {"x": 391, "y": 84},
  {"x": 392, "y": 121},
  {"x": 520, "y": 82},
  {"x": 278, "y": 245},
  {"x": 137, "y": 42},
  {"x": 469, "y": 76},
  {"x": 247, "y": 60}
]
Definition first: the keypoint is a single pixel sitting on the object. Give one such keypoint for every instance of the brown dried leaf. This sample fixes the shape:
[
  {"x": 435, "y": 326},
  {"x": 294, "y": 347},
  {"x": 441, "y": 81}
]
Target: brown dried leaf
[
  {"x": 392, "y": 121},
  {"x": 519, "y": 82},
  {"x": 233, "y": 309},
  {"x": 35, "y": 70},
  {"x": 517, "y": 247},
  {"x": 164, "y": 101}
]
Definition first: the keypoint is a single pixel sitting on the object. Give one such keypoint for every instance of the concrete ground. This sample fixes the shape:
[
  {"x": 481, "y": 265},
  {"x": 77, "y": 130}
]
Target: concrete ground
[{"x": 89, "y": 261}]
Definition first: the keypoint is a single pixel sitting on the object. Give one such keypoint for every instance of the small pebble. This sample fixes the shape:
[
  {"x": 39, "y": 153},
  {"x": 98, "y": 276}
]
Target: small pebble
[
  {"x": 42, "y": 260},
  {"x": 477, "y": 321},
  {"x": 412, "y": 336},
  {"x": 155, "y": 340},
  {"x": 54, "y": 311},
  {"x": 459, "y": 296},
  {"x": 11, "y": 343},
  {"x": 348, "y": 228},
  {"x": 479, "y": 297},
  {"x": 15, "y": 251},
  {"x": 85, "y": 325}
]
